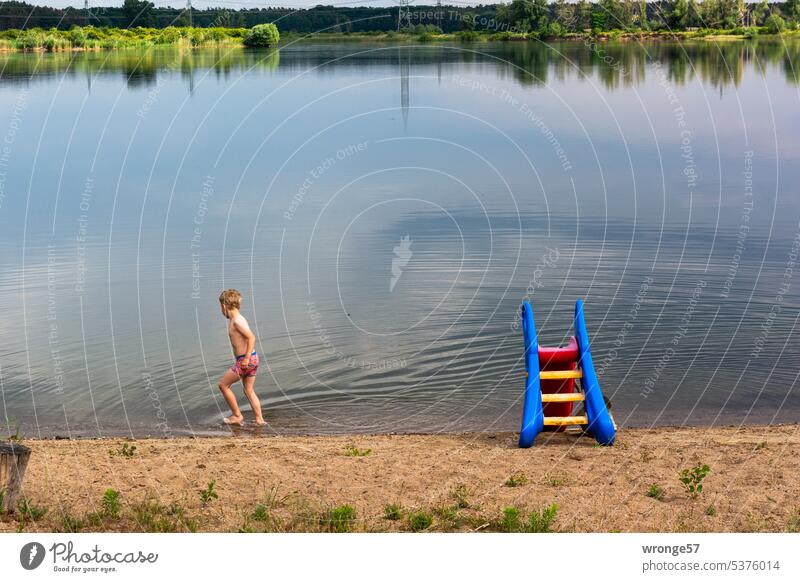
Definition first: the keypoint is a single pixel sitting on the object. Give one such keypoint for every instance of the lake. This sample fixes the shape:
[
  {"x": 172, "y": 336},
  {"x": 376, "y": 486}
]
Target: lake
[{"x": 384, "y": 209}]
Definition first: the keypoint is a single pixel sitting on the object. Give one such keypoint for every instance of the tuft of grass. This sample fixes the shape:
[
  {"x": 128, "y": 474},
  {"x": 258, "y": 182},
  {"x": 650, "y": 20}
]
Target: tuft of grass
[
  {"x": 516, "y": 480},
  {"x": 539, "y": 521},
  {"x": 761, "y": 445},
  {"x": 30, "y": 511},
  {"x": 692, "y": 479},
  {"x": 711, "y": 511},
  {"x": 460, "y": 494},
  {"x": 555, "y": 480},
  {"x": 109, "y": 505},
  {"x": 419, "y": 521},
  {"x": 71, "y": 524},
  {"x": 393, "y": 512},
  {"x": 125, "y": 450},
  {"x": 338, "y": 519},
  {"x": 209, "y": 493},
  {"x": 449, "y": 517},
  {"x": 154, "y": 517},
  {"x": 655, "y": 492},
  {"x": 353, "y": 451}
]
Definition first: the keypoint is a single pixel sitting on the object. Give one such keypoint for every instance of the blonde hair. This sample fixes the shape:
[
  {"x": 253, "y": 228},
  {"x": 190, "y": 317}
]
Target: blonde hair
[{"x": 231, "y": 299}]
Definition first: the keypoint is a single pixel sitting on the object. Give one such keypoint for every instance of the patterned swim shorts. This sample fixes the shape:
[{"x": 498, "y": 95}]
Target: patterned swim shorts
[{"x": 251, "y": 370}]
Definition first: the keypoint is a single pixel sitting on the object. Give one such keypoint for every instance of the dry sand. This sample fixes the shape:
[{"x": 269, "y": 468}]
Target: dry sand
[{"x": 460, "y": 481}]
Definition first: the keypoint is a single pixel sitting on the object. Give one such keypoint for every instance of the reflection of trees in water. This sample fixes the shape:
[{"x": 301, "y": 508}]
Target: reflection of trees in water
[
  {"x": 139, "y": 67},
  {"x": 625, "y": 63},
  {"x": 614, "y": 64}
]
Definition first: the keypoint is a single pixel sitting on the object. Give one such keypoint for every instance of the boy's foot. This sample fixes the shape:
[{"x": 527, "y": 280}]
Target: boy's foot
[
  {"x": 261, "y": 422},
  {"x": 232, "y": 419}
]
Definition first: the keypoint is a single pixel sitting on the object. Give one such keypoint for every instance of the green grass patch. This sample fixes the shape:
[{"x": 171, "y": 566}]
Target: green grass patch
[
  {"x": 393, "y": 512},
  {"x": 353, "y": 451},
  {"x": 338, "y": 519},
  {"x": 419, "y": 521}
]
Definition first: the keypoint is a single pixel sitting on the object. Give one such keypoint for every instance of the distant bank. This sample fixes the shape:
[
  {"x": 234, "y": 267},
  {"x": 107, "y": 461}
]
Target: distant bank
[{"x": 96, "y": 39}]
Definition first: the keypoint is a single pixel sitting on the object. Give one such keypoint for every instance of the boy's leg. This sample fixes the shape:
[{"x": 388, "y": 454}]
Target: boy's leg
[
  {"x": 249, "y": 383},
  {"x": 225, "y": 387}
]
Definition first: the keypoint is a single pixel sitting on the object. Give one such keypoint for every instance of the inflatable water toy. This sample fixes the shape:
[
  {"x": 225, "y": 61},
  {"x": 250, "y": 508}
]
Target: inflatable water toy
[{"x": 550, "y": 392}]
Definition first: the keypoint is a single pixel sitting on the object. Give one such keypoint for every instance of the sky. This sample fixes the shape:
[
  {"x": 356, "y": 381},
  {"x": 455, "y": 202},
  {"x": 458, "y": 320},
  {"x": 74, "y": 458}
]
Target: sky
[{"x": 240, "y": 4}]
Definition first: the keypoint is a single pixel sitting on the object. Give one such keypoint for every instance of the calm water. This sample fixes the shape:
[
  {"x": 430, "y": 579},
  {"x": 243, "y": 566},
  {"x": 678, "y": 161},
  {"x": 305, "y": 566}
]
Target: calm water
[{"x": 384, "y": 210}]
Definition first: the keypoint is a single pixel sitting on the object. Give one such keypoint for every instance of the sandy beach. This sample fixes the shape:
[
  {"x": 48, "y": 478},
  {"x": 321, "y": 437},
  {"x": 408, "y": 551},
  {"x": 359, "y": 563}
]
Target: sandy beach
[{"x": 460, "y": 482}]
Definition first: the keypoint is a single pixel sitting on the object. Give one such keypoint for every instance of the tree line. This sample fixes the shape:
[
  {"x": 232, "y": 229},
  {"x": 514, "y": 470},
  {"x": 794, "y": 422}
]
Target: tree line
[{"x": 520, "y": 16}]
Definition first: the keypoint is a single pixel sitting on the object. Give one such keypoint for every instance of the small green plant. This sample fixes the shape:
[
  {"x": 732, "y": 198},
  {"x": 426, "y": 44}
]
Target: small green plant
[
  {"x": 419, "y": 521},
  {"x": 711, "y": 511},
  {"x": 460, "y": 494},
  {"x": 393, "y": 512},
  {"x": 516, "y": 480},
  {"x": 109, "y": 505},
  {"x": 260, "y": 513},
  {"x": 510, "y": 521},
  {"x": 209, "y": 493},
  {"x": 338, "y": 519},
  {"x": 353, "y": 451},
  {"x": 125, "y": 450},
  {"x": 761, "y": 445},
  {"x": 30, "y": 511},
  {"x": 655, "y": 492},
  {"x": 17, "y": 435},
  {"x": 541, "y": 521},
  {"x": 692, "y": 479}
]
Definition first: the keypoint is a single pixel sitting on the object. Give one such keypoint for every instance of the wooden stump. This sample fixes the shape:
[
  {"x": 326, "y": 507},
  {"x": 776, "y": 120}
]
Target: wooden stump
[{"x": 13, "y": 462}]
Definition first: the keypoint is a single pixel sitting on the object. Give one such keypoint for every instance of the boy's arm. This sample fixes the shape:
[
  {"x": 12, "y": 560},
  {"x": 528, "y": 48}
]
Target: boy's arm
[{"x": 242, "y": 327}]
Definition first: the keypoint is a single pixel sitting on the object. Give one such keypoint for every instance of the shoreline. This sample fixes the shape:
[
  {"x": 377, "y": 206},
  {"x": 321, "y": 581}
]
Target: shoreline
[
  {"x": 454, "y": 482},
  {"x": 400, "y": 38}
]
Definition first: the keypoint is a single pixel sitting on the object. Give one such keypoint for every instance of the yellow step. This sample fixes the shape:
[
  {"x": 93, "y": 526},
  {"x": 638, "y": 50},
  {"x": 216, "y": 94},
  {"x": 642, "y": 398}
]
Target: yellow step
[
  {"x": 564, "y": 420},
  {"x": 565, "y": 397},
  {"x": 560, "y": 374}
]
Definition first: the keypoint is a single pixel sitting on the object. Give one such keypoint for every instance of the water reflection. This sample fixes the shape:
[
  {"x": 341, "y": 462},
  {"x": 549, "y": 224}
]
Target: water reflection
[{"x": 615, "y": 64}]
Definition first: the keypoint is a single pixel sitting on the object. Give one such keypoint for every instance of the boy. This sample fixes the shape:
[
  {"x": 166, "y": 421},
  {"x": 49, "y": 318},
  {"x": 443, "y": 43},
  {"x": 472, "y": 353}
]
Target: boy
[{"x": 245, "y": 365}]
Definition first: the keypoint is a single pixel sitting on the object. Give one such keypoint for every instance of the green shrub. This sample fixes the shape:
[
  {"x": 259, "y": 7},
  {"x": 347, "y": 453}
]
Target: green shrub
[
  {"x": 467, "y": 35},
  {"x": 262, "y": 35},
  {"x": 110, "y": 503},
  {"x": 774, "y": 24},
  {"x": 338, "y": 519},
  {"x": 169, "y": 35}
]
